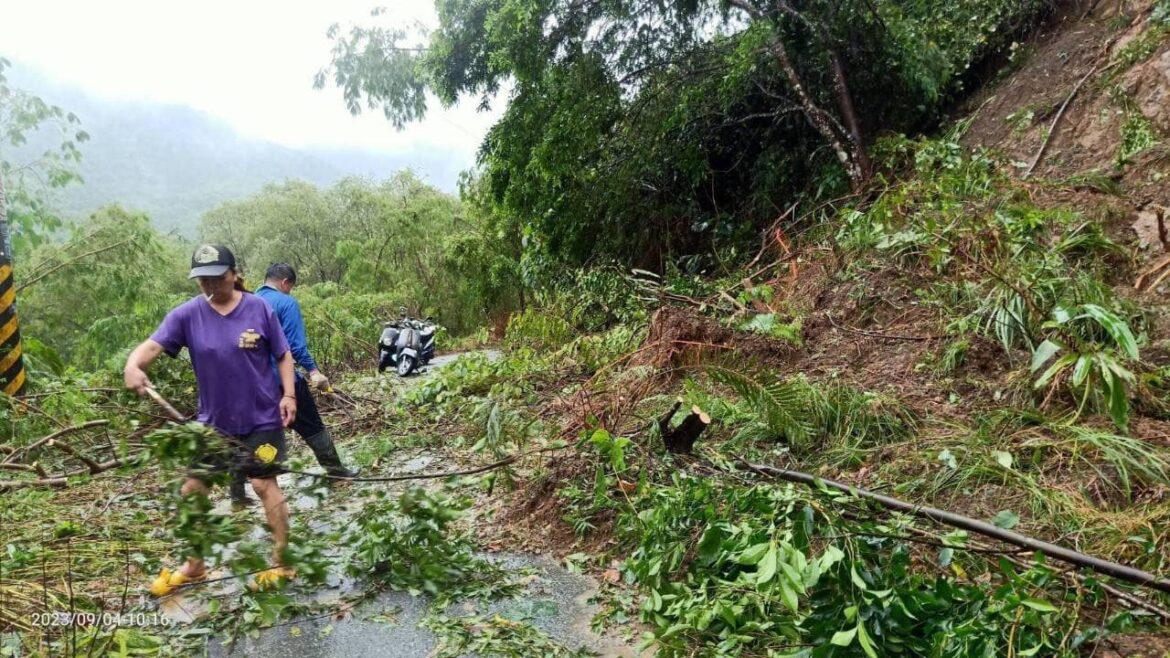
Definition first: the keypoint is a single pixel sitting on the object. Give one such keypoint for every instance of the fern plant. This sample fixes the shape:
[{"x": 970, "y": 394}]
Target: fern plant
[{"x": 783, "y": 410}]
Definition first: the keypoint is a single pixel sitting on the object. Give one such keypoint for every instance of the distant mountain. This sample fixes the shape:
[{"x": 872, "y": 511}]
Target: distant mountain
[{"x": 175, "y": 163}]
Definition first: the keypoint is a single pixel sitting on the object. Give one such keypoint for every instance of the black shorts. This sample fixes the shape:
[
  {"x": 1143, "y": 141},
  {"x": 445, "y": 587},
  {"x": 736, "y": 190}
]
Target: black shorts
[
  {"x": 256, "y": 455},
  {"x": 308, "y": 422}
]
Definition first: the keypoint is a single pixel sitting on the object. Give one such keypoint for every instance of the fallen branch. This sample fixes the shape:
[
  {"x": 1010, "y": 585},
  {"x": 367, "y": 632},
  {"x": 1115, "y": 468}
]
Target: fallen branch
[
  {"x": 62, "y": 479},
  {"x": 1157, "y": 270},
  {"x": 1109, "y": 589},
  {"x": 35, "y": 468},
  {"x": 55, "y": 435},
  {"x": 9, "y": 485},
  {"x": 1055, "y": 121},
  {"x": 1063, "y": 106},
  {"x": 171, "y": 411},
  {"x": 1119, "y": 571},
  {"x": 393, "y": 478},
  {"x": 94, "y": 467},
  {"x": 1068, "y": 573}
]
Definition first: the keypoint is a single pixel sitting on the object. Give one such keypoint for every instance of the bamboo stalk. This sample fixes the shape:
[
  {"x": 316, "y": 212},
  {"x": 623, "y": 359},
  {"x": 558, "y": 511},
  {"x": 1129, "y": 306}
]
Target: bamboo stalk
[{"x": 1119, "y": 571}]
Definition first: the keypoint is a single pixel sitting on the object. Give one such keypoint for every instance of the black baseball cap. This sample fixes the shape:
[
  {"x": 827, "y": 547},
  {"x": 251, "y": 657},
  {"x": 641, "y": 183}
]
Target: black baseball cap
[{"x": 211, "y": 260}]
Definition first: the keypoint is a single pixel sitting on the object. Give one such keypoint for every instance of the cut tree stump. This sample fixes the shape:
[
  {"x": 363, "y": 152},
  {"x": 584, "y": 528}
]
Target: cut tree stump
[{"x": 681, "y": 440}]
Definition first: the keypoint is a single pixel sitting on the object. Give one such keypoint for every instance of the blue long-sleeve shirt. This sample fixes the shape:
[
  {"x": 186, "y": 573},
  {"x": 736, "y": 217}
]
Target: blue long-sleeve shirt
[{"x": 288, "y": 311}]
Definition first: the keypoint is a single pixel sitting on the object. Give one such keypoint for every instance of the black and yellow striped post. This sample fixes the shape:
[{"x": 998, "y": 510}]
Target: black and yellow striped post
[{"x": 11, "y": 357}]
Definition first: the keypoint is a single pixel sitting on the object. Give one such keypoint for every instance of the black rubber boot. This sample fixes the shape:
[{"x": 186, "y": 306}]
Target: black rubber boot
[
  {"x": 237, "y": 492},
  {"x": 322, "y": 446}
]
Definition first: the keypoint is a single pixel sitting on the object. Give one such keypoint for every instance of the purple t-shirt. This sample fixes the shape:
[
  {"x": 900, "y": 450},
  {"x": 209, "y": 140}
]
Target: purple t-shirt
[{"x": 230, "y": 353}]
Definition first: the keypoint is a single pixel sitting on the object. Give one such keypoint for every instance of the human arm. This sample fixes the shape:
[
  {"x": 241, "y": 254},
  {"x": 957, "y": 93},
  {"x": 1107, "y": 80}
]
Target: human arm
[
  {"x": 278, "y": 343},
  {"x": 292, "y": 322},
  {"x": 288, "y": 397},
  {"x": 134, "y": 374}
]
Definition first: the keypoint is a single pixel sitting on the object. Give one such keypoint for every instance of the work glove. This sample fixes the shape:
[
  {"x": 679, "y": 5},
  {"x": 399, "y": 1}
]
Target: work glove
[{"x": 319, "y": 381}]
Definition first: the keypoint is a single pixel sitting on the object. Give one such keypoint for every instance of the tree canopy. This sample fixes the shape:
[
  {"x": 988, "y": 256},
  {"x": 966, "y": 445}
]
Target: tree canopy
[
  {"x": 400, "y": 239},
  {"x": 26, "y": 182},
  {"x": 654, "y": 130}
]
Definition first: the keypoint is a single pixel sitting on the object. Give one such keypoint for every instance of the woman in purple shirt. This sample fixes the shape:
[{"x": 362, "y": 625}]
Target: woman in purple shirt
[{"x": 230, "y": 336}]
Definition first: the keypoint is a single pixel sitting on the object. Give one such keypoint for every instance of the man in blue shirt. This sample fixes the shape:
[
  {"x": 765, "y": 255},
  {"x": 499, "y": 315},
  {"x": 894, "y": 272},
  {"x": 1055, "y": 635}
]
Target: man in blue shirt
[{"x": 278, "y": 283}]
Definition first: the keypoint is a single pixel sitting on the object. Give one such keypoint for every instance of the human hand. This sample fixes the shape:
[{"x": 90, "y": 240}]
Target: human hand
[
  {"x": 319, "y": 381},
  {"x": 288, "y": 410},
  {"x": 136, "y": 380}
]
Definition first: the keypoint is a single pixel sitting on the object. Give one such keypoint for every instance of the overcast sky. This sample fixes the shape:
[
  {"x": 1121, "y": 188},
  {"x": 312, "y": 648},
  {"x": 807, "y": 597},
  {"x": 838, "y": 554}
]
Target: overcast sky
[{"x": 248, "y": 62}]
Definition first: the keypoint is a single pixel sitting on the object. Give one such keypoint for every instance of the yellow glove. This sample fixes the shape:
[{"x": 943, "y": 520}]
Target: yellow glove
[{"x": 320, "y": 382}]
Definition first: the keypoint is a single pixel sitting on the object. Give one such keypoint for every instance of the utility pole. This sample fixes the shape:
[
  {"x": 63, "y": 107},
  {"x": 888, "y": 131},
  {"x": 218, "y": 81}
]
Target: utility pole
[{"x": 11, "y": 356}]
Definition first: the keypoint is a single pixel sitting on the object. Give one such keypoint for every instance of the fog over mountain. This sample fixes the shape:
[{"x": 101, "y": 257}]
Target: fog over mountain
[{"x": 175, "y": 163}]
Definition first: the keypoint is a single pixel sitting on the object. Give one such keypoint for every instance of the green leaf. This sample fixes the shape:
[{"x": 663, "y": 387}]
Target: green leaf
[
  {"x": 711, "y": 542},
  {"x": 843, "y": 638},
  {"x": 1043, "y": 353},
  {"x": 1061, "y": 363},
  {"x": 788, "y": 596},
  {"x": 1118, "y": 404},
  {"x": 754, "y": 554},
  {"x": 857, "y": 579},
  {"x": 1117, "y": 328},
  {"x": 1081, "y": 370},
  {"x": 866, "y": 643},
  {"x": 1039, "y": 604},
  {"x": 767, "y": 566},
  {"x": 793, "y": 576},
  {"x": 1006, "y": 519},
  {"x": 945, "y": 556}
]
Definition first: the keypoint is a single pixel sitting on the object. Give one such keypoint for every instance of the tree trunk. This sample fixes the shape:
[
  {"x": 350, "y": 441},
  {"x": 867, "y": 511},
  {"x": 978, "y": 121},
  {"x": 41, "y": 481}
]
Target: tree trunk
[
  {"x": 849, "y": 116},
  {"x": 848, "y": 144},
  {"x": 821, "y": 121},
  {"x": 12, "y": 375}
]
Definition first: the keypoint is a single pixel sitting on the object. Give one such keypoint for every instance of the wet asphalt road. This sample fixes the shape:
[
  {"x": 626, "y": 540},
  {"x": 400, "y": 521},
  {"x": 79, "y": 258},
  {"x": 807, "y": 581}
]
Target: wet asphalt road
[{"x": 554, "y": 600}]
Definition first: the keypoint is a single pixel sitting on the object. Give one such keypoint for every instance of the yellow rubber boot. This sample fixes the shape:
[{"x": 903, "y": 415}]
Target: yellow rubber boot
[
  {"x": 168, "y": 581},
  {"x": 271, "y": 578}
]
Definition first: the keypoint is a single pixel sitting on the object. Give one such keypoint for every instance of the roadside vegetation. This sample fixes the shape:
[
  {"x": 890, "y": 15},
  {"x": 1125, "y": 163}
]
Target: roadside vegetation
[{"x": 911, "y": 315}]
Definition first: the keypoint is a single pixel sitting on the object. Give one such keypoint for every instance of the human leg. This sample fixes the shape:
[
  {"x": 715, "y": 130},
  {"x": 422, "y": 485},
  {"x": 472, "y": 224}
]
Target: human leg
[
  {"x": 275, "y": 512},
  {"x": 237, "y": 492},
  {"x": 193, "y": 568},
  {"x": 261, "y": 457},
  {"x": 312, "y": 430}
]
